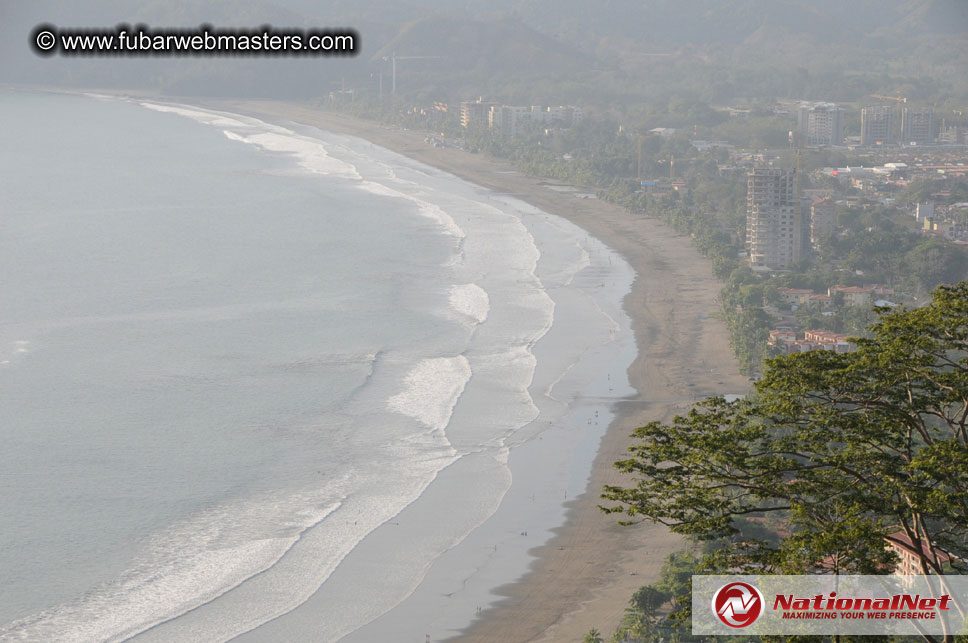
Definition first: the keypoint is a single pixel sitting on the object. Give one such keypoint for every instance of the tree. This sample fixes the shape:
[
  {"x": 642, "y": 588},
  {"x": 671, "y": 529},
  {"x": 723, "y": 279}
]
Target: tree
[
  {"x": 593, "y": 636},
  {"x": 643, "y": 620},
  {"x": 849, "y": 448},
  {"x": 935, "y": 261}
]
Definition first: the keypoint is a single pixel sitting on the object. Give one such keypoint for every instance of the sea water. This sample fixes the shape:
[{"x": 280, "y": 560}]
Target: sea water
[{"x": 247, "y": 367}]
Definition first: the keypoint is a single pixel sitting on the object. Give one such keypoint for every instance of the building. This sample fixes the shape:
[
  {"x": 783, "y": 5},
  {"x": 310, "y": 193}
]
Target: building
[
  {"x": 917, "y": 126},
  {"x": 507, "y": 119},
  {"x": 785, "y": 341},
  {"x": 820, "y": 301},
  {"x": 805, "y": 248},
  {"x": 877, "y": 125},
  {"x": 794, "y": 296},
  {"x": 924, "y": 212},
  {"x": 474, "y": 115},
  {"x": 773, "y": 230},
  {"x": 952, "y": 134},
  {"x": 510, "y": 120},
  {"x": 781, "y": 336},
  {"x": 566, "y": 115},
  {"x": 828, "y": 341},
  {"x": 820, "y": 124},
  {"x": 907, "y": 553},
  {"x": 860, "y": 295},
  {"x": 823, "y": 219}
]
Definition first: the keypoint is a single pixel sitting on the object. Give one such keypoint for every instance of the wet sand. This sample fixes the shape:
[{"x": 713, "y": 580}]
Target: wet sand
[{"x": 585, "y": 575}]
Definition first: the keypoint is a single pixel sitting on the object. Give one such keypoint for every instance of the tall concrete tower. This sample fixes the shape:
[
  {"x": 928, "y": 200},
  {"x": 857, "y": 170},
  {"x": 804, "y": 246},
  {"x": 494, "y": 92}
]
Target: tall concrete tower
[{"x": 773, "y": 233}]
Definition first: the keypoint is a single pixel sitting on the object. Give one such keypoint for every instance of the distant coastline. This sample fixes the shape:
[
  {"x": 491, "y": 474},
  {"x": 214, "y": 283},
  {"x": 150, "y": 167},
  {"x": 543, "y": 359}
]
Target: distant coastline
[{"x": 585, "y": 575}]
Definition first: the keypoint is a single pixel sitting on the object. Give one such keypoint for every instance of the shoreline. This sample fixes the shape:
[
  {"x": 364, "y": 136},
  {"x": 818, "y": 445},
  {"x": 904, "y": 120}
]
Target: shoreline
[{"x": 584, "y": 576}]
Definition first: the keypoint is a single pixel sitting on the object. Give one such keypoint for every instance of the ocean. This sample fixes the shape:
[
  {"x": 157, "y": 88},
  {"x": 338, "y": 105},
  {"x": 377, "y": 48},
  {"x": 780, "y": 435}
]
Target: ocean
[{"x": 269, "y": 382}]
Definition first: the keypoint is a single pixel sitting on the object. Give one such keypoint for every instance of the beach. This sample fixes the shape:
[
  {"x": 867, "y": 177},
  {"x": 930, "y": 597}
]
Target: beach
[
  {"x": 538, "y": 558},
  {"x": 584, "y": 577}
]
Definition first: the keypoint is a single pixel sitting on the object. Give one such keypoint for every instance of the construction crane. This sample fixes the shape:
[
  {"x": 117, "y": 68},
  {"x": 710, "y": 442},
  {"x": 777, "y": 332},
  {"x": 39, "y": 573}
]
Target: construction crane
[
  {"x": 899, "y": 99},
  {"x": 898, "y": 115},
  {"x": 393, "y": 58}
]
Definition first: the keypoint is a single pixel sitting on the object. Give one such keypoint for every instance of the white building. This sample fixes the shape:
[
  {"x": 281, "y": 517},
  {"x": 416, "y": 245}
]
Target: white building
[
  {"x": 773, "y": 231},
  {"x": 820, "y": 124}
]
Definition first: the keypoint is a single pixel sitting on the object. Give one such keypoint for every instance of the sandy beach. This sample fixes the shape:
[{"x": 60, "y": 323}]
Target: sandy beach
[{"x": 584, "y": 577}]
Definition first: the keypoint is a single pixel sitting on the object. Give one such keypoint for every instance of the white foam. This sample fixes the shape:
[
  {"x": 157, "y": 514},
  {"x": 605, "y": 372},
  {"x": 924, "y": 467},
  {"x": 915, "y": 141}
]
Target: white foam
[
  {"x": 14, "y": 350},
  {"x": 432, "y": 389},
  {"x": 470, "y": 300},
  {"x": 429, "y": 210},
  {"x": 509, "y": 374},
  {"x": 503, "y": 253},
  {"x": 232, "y": 136},
  {"x": 202, "y": 116},
  {"x": 310, "y": 153},
  {"x": 584, "y": 260},
  {"x": 182, "y": 567},
  {"x": 318, "y": 552}
]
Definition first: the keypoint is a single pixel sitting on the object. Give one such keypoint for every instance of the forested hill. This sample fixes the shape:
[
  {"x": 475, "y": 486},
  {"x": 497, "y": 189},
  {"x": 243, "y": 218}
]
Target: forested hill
[
  {"x": 701, "y": 22},
  {"x": 588, "y": 51}
]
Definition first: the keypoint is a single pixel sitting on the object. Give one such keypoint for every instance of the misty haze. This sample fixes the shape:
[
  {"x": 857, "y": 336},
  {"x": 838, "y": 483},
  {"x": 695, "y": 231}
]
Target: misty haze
[{"x": 333, "y": 320}]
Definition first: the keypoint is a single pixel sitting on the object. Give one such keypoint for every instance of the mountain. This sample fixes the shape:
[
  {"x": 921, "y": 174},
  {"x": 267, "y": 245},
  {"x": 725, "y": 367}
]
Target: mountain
[{"x": 533, "y": 50}]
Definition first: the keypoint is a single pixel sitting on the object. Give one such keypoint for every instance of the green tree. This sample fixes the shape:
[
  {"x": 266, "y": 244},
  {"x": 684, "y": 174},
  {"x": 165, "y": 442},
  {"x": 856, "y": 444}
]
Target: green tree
[
  {"x": 644, "y": 619},
  {"x": 849, "y": 448},
  {"x": 935, "y": 261}
]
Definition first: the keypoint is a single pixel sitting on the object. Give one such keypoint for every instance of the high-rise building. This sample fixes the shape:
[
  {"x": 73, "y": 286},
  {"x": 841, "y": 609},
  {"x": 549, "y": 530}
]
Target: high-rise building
[
  {"x": 876, "y": 125},
  {"x": 952, "y": 135},
  {"x": 774, "y": 223},
  {"x": 823, "y": 218},
  {"x": 508, "y": 119},
  {"x": 474, "y": 115},
  {"x": 917, "y": 126},
  {"x": 820, "y": 124}
]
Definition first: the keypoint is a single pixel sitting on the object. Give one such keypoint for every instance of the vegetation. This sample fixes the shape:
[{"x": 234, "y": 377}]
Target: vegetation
[
  {"x": 846, "y": 450},
  {"x": 874, "y": 244},
  {"x": 661, "y": 611}
]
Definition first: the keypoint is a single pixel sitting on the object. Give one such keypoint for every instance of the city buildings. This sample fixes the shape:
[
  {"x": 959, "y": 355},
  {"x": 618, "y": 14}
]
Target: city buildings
[
  {"x": 909, "y": 563},
  {"x": 952, "y": 134},
  {"x": 820, "y": 124},
  {"x": 474, "y": 115},
  {"x": 823, "y": 218},
  {"x": 774, "y": 225},
  {"x": 785, "y": 341},
  {"x": 510, "y": 119},
  {"x": 852, "y": 295},
  {"x": 917, "y": 126},
  {"x": 877, "y": 125}
]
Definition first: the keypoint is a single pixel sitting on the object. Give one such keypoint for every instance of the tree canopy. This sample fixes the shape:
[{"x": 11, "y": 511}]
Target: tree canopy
[{"x": 848, "y": 449}]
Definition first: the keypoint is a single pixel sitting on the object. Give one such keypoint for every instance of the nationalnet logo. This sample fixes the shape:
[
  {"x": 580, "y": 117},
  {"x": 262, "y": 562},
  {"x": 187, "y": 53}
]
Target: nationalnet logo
[
  {"x": 738, "y": 604},
  {"x": 829, "y": 604}
]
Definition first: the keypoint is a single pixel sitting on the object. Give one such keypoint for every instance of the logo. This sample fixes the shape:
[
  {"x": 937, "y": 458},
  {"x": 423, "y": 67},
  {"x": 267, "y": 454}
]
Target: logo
[{"x": 738, "y": 604}]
